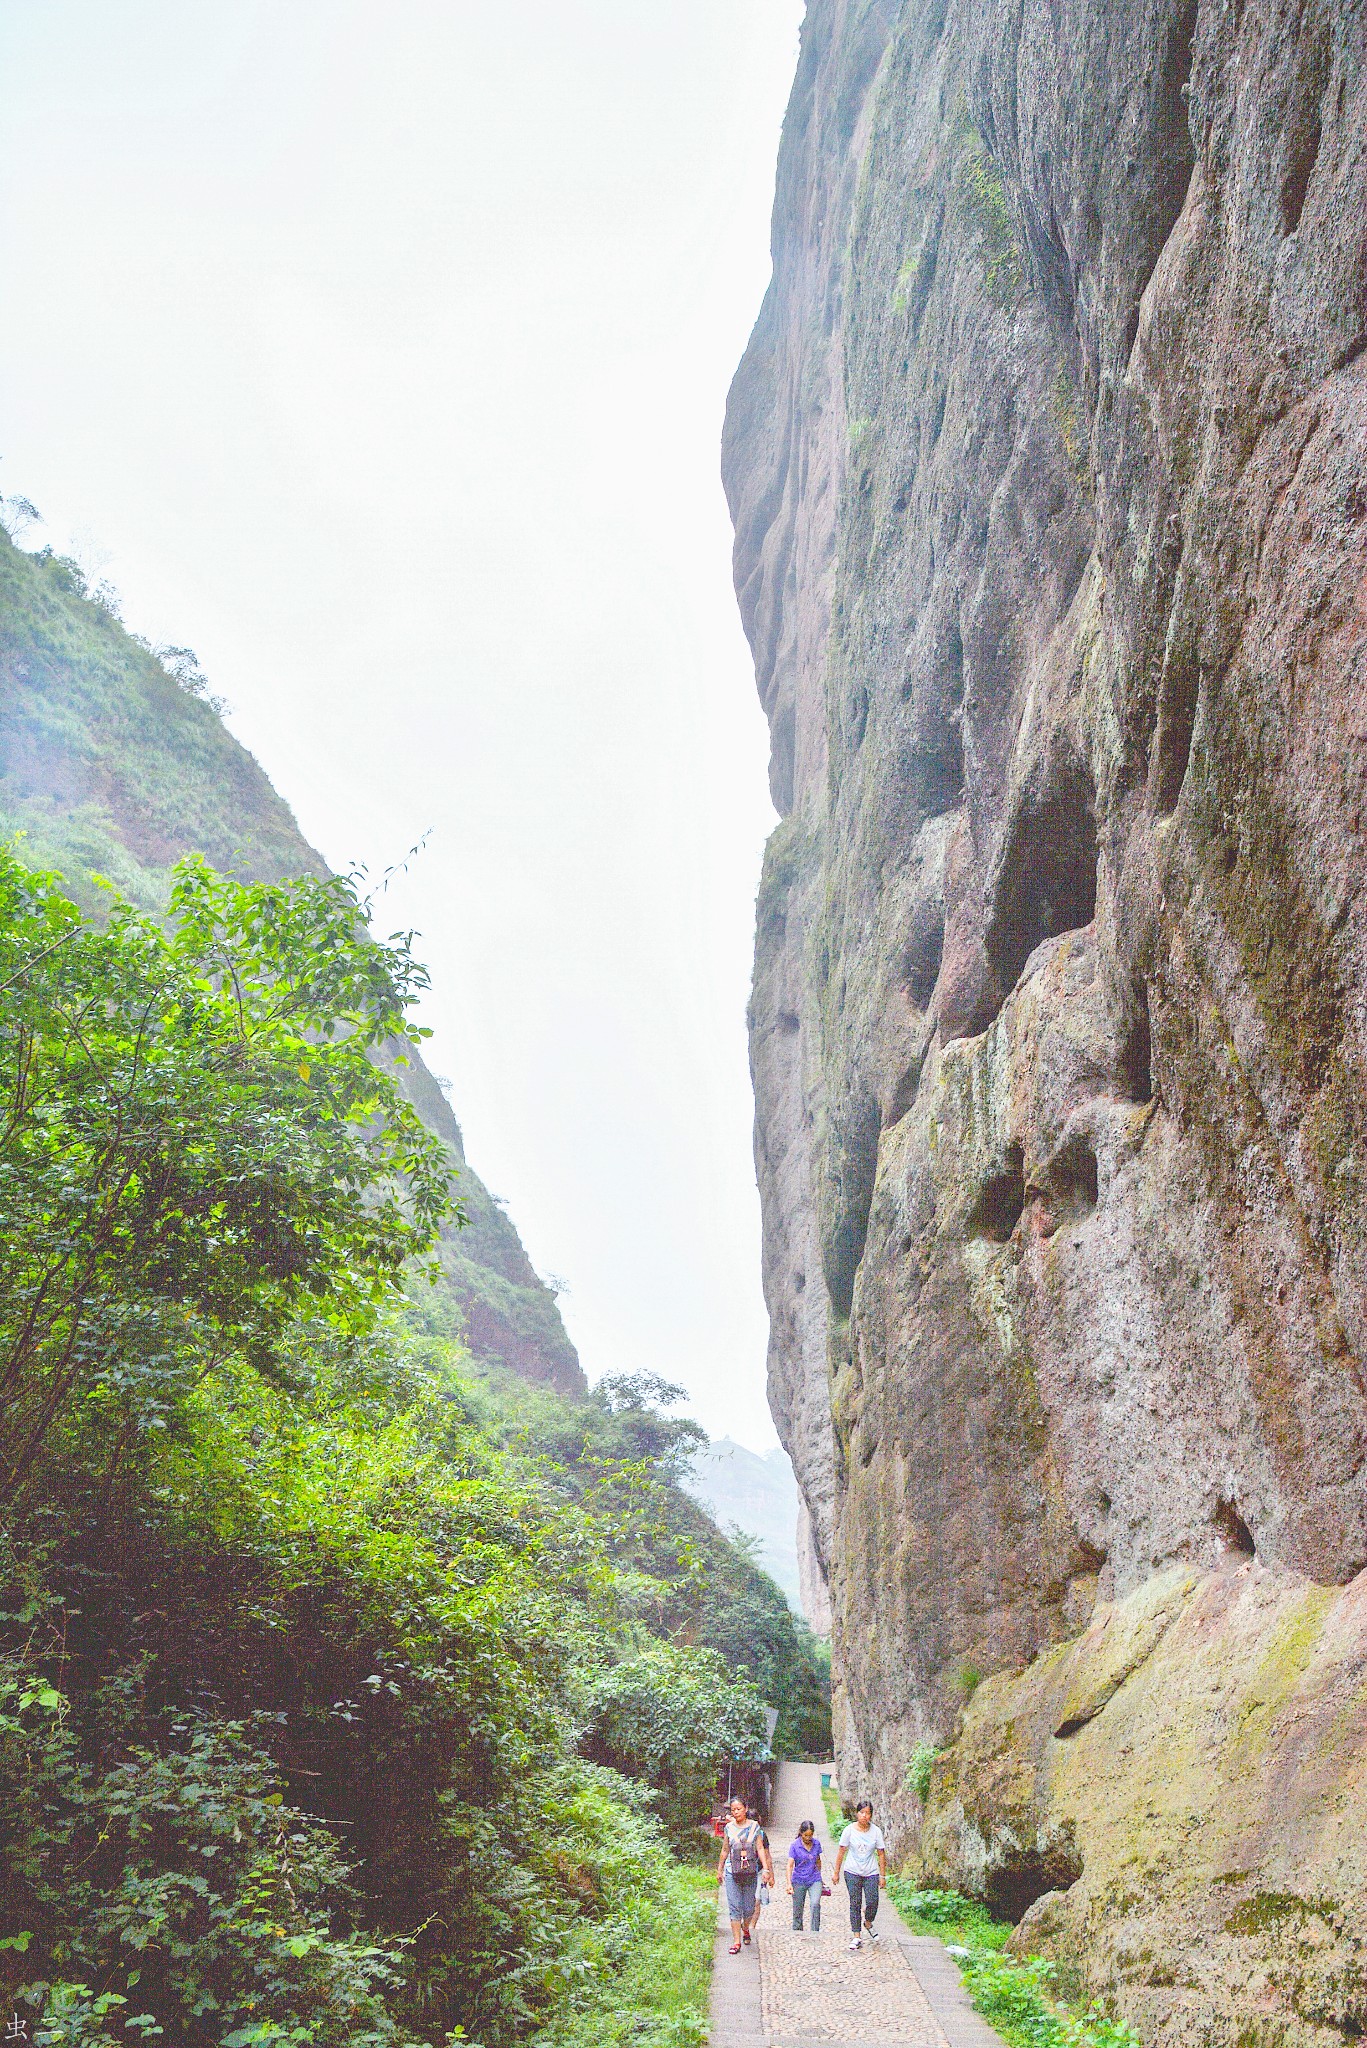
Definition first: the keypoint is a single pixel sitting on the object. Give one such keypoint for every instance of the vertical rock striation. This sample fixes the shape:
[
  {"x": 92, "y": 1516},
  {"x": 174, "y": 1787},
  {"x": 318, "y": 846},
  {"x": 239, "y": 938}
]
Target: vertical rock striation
[{"x": 1048, "y": 466}]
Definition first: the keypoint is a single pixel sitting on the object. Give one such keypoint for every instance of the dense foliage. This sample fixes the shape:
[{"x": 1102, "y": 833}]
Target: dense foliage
[
  {"x": 344, "y": 1695},
  {"x": 196, "y": 1140}
]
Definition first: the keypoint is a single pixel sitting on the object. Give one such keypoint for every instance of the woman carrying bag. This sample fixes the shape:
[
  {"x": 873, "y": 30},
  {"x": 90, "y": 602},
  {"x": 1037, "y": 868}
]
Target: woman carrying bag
[{"x": 744, "y": 1859}]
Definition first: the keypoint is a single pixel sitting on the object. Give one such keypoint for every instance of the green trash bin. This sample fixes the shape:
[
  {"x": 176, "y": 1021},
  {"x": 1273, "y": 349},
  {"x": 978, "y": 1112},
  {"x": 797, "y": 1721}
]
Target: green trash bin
[{"x": 825, "y": 1781}]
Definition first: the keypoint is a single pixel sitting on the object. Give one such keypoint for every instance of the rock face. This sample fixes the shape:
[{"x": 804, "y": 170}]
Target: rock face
[
  {"x": 1048, "y": 465},
  {"x": 110, "y": 765},
  {"x": 1189, "y": 1780}
]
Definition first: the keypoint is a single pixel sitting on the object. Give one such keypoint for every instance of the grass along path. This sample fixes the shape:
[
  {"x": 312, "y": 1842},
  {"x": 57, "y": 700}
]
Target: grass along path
[
  {"x": 1013, "y": 1995},
  {"x": 645, "y": 1970}
]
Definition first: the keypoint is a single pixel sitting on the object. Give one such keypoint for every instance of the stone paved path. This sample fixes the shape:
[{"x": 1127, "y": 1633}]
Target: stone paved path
[{"x": 795, "y": 1990}]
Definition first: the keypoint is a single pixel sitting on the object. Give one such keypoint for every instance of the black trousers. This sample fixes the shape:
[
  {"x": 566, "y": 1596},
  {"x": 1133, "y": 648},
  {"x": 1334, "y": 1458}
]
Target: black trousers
[{"x": 863, "y": 1893}]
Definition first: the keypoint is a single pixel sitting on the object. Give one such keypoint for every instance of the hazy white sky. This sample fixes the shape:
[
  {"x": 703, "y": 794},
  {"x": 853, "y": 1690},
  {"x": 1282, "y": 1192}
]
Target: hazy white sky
[{"x": 379, "y": 354}]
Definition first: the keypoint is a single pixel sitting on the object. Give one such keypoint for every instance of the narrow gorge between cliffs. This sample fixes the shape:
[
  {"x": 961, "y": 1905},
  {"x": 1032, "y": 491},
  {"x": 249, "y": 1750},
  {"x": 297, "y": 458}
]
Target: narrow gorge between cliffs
[{"x": 385, "y": 1635}]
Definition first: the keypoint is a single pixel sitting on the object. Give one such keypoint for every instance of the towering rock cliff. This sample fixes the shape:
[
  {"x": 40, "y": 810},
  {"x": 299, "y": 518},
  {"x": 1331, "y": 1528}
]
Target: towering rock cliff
[
  {"x": 1048, "y": 465},
  {"x": 113, "y": 764}
]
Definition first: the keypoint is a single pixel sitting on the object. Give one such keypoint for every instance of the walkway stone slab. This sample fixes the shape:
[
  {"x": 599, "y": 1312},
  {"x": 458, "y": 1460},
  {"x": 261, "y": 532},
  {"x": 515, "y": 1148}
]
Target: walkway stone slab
[
  {"x": 735, "y": 2011},
  {"x": 797, "y": 1990},
  {"x": 815, "y": 1989}
]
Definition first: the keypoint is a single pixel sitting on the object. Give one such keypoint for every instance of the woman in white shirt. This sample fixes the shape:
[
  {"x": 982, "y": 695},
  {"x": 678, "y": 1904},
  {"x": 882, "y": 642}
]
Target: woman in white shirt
[{"x": 864, "y": 1859}]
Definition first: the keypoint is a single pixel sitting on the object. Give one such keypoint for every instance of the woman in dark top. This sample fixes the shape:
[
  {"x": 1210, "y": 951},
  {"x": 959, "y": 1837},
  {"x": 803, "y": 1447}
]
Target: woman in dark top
[{"x": 805, "y": 1879}]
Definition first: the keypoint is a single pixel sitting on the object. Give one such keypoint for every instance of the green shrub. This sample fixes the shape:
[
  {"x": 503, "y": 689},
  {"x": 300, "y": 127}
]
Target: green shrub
[
  {"x": 181, "y": 1871},
  {"x": 398, "y": 1620},
  {"x": 919, "y": 1769},
  {"x": 947, "y": 1914},
  {"x": 637, "y": 1967},
  {"x": 1015, "y": 1998}
]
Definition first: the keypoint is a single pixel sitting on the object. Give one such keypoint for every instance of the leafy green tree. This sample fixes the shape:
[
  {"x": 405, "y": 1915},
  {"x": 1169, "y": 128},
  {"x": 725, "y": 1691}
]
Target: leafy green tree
[
  {"x": 620, "y": 1456},
  {"x": 636, "y": 1402},
  {"x": 745, "y": 1618},
  {"x": 672, "y": 1716},
  {"x": 197, "y": 1139}
]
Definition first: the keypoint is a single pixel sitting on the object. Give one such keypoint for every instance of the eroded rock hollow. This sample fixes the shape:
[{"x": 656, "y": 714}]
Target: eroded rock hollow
[{"x": 1048, "y": 465}]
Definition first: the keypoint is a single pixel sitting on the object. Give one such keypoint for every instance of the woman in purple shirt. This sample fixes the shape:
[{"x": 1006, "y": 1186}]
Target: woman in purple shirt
[{"x": 804, "y": 1875}]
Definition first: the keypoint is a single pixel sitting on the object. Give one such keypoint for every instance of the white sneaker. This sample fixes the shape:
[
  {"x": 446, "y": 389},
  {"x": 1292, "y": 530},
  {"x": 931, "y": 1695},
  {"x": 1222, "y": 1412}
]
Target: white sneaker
[{"x": 856, "y": 1943}]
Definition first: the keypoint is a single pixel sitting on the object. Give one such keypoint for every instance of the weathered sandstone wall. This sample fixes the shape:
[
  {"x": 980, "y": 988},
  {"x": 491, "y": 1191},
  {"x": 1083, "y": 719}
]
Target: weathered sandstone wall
[
  {"x": 1048, "y": 464},
  {"x": 1190, "y": 1778}
]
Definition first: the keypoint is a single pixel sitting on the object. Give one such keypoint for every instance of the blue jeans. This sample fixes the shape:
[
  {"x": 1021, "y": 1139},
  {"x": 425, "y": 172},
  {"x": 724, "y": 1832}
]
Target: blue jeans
[
  {"x": 801, "y": 1894},
  {"x": 740, "y": 1897},
  {"x": 863, "y": 1893}
]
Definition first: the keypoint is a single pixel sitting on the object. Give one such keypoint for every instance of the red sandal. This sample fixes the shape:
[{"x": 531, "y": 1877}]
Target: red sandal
[{"x": 735, "y": 1948}]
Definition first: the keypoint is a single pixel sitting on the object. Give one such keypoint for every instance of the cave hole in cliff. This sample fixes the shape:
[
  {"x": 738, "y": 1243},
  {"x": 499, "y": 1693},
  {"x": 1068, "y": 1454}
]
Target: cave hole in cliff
[
  {"x": 940, "y": 748},
  {"x": 1046, "y": 883},
  {"x": 1130, "y": 331},
  {"x": 1001, "y": 1200},
  {"x": 1302, "y": 134},
  {"x": 954, "y": 667},
  {"x": 904, "y": 1094},
  {"x": 1013, "y": 1887},
  {"x": 848, "y": 1200},
  {"x": 859, "y": 715},
  {"x": 1073, "y": 1179},
  {"x": 1168, "y": 149},
  {"x": 942, "y": 772},
  {"x": 922, "y": 955},
  {"x": 1136, "y": 1055},
  {"x": 1234, "y": 1530}
]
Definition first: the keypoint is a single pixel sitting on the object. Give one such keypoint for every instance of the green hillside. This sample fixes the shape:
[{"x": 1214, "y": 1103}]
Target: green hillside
[
  {"x": 114, "y": 762},
  {"x": 347, "y": 1695}
]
